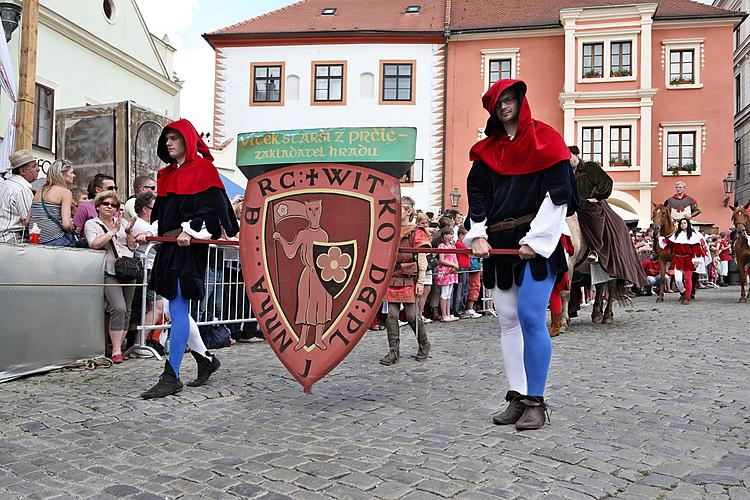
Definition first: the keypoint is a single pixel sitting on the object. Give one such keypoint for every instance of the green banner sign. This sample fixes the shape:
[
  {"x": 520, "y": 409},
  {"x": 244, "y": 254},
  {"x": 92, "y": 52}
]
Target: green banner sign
[{"x": 328, "y": 145}]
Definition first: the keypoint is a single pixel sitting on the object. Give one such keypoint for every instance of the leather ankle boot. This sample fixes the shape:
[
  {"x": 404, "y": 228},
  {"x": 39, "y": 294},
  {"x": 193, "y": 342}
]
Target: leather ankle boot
[
  {"x": 206, "y": 366},
  {"x": 534, "y": 415},
  {"x": 554, "y": 329},
  {"x": 424, "y": 345},
  {"x": 168, "y": 384},
  {"x": 513, "y": 412},
  {"x": 391, "y": 328}
]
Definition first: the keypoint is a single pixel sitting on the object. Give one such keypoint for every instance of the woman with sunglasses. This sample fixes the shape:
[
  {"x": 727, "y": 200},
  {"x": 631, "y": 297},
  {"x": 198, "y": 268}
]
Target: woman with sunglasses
[
  {"x": 51, "y": 208},
  {"x": 106, "y": 232}
]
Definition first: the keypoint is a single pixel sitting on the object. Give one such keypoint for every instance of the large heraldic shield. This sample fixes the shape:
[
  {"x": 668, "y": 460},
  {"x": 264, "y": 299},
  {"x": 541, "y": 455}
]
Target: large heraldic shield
[{"x": 319, "y": 234}]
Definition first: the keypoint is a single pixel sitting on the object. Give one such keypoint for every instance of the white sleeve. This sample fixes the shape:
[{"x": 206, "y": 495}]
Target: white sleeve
[
  {"x": 203, "y": 234},
  {"x": 477, "y": 230},
  {"x": 546, "y": 228}
]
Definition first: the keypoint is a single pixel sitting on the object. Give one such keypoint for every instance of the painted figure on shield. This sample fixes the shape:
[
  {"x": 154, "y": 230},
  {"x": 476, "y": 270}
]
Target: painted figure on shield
[{"x": 314, "y": 303}]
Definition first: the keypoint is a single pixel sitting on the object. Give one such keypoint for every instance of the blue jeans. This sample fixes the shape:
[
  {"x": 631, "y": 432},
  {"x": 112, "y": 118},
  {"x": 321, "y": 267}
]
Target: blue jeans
[
  {"x": 62, "y": 241},
  {"x": 213, "y": 296},
  {"x": 461, "y": 291}
]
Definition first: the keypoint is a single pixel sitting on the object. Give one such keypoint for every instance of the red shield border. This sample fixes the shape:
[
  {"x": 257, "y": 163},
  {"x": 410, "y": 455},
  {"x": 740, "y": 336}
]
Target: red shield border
[{"x": 364, "y": 294}]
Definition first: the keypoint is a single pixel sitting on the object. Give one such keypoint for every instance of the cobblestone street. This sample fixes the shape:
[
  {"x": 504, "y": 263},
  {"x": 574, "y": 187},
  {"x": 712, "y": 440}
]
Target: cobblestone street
[{"x": 654, "y": 406}]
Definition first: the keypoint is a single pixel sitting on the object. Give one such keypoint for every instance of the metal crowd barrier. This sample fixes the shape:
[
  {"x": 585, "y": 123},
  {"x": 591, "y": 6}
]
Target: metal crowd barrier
[{"x": 224, "y": 303}]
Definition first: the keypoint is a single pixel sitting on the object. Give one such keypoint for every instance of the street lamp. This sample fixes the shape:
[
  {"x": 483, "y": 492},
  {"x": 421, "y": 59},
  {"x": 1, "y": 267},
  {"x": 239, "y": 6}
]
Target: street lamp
[
  {"x": 729, "y": 182},
  {"x": 455, "y": 198},
  {"x": 10, "y": 14}
]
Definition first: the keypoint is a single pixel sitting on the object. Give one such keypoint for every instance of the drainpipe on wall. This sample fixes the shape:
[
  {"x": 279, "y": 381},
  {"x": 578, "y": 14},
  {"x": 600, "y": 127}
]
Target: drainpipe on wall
[{"x": 446, "y": 34}]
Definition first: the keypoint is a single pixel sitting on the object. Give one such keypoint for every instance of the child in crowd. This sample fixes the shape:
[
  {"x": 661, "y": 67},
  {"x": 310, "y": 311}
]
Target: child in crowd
[
  {"x": 461, "y": 291},
  {"x": 446, "y": 274}
]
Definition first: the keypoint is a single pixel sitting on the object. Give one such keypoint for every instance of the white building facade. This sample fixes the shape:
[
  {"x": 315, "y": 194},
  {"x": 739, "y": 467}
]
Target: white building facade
[
  {"x": 94, "y": 52},
  {"x": 335, "y": 66}
]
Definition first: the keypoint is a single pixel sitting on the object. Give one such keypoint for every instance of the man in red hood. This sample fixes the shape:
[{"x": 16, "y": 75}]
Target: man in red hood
[
  {"x": 520, "y": 188},
  {"x": 190, "y": 198}
]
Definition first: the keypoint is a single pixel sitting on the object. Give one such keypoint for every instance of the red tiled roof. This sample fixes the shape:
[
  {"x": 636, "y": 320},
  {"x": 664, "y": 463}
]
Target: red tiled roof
[
  {"x": 486, "y": 14},
  {"x": 388, "y": 16},
  {"x": 351, "y": 16}
]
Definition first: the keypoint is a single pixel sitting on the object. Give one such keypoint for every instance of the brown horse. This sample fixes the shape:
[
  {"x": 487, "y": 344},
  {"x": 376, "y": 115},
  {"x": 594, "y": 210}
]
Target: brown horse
[
  {"x": 663, "y": 225},
  {"x": 606, "y": 293},
  {"x": 740, "y": 219}
]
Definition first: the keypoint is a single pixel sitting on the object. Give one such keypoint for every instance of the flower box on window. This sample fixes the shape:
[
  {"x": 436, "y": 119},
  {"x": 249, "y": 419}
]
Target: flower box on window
[
  {"x": 616, "y": 161},
  {"x": 621, "y": 72},
  {"x": 682, "y": 80},
  {"x": 685, "y": 167},
  {"x": 592, "y": 74}
]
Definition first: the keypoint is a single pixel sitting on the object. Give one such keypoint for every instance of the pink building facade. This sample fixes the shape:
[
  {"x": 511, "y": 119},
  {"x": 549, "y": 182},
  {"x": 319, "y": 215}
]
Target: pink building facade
[{"x": 645, "y": 89}]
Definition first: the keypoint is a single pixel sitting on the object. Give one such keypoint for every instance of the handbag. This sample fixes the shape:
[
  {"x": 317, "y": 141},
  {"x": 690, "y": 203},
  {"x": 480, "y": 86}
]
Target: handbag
[
  {"x": 432, "y": 261},
  {"x": 215, "y": 336},
  {"x": 73, "y": 237},
  {"x": 126, "y": 268}
]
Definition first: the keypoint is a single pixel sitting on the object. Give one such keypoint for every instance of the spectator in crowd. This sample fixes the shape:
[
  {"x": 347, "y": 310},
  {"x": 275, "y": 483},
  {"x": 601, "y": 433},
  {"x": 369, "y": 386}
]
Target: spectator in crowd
[
  {"x": 51, "y": 209},
  {"x": 447, "y": 274},
  {"x": 475, "y": 287},
  {"x": 725, "y": 256},
  {"x": 87, "y": 210},
  {"x": 651, "y": 268},
  {"x": 423, "y": 224},
  {"x": 142, "y": 229},
  {"x": 16, "y": 196},
  {"x": 78, "y": 196},
  {"x": 105, "y": 232},
  {"x": 141, "y": 184},
  {"x": 461, "y": 290}
]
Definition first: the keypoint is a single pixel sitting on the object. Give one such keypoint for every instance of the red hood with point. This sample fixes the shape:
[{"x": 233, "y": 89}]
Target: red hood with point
[
  {"x": 197, "y": 174},
  {"x": 535, "y": 147}
]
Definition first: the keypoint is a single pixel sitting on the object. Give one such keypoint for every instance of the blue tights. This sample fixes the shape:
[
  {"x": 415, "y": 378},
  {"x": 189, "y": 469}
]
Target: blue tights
[
  {"x": 526, "y": 346},
  {"x": 179, "y": 313}
]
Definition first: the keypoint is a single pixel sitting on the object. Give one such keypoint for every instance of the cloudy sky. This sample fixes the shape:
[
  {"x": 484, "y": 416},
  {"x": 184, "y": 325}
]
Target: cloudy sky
[{"x": 184, "y": 22}]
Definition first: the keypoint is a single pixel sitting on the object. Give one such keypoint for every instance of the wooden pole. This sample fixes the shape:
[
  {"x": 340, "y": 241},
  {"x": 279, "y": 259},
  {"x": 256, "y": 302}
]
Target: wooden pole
[{"x": 27, "y": 74}]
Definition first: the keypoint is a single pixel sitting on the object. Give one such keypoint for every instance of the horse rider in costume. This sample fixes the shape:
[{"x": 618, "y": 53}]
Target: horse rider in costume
[
  {"x": 608, "y": 237},
  {"x": 190, "y": 197},
  {"x": 520, "y": 189}
]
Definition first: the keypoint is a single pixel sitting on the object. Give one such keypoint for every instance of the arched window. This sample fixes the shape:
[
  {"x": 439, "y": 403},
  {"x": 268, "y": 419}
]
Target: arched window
[
  {"x": 367, "y": 85},
  {"x": 292, "y": 88}
]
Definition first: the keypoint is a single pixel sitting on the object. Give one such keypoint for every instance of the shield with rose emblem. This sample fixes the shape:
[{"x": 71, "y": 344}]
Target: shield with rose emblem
[
  {"x": 319, "y": 235},
  {"x": 333, "y": 263}
]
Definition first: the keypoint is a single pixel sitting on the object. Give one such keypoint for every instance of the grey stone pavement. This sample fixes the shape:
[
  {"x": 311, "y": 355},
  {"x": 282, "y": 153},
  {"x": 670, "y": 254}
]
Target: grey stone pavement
[{"x": 654, "y": 406}]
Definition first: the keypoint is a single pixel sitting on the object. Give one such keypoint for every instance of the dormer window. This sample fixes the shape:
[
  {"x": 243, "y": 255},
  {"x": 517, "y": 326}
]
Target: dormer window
[
  {"x": 413, "y": 9},
  {"x": 328, "y": 11}
]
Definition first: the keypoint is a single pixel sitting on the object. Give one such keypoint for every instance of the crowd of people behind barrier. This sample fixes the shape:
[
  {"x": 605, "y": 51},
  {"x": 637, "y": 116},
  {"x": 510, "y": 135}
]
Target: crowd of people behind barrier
[{"x": 99, "y": 220}]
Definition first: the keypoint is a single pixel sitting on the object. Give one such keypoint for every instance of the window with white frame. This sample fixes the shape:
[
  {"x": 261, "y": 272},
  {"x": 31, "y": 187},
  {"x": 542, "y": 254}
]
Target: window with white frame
[
  {"x": 681, "y": 151},
  {"x": 609, "y": 140},
  {"x": 620, "y": 59},
  {"x": 607, "y": 56},
  {"x": 682, "y": 61},
  {"x": 593, "y": 60},
  {"x": 500, "y": 69},
  {"x": 498, "y": 64},
  {"x": 619, "y": 146},
  {"x": 592, "y": 144},
  {"x": 681, "y": 144},
  {"x": 415, "y": 173}
]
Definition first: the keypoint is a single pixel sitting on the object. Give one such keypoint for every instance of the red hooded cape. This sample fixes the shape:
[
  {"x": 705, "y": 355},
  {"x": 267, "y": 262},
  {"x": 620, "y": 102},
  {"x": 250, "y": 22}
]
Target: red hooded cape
[
  {"x": 536, "y": 146},
  {"x": 197, "y": 174}
]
